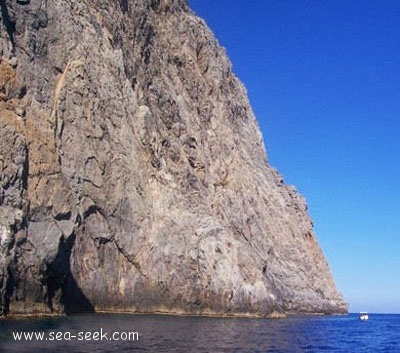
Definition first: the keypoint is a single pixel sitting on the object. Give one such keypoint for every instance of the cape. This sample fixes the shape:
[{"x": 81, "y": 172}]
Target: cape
[{"x": 134, "y": 176}]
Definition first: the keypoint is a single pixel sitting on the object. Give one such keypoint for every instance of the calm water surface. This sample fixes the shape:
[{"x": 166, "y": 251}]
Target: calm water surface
[{"x": 193, "y": 334}]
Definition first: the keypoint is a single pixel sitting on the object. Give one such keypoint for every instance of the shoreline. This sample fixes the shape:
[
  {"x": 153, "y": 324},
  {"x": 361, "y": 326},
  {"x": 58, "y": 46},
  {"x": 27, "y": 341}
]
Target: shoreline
[{"x": 272, "y": 315}]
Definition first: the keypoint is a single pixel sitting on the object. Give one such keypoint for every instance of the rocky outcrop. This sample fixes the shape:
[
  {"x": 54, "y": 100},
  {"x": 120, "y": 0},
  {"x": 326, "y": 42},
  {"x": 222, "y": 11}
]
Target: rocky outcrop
[{"x": 134, "y": 175}]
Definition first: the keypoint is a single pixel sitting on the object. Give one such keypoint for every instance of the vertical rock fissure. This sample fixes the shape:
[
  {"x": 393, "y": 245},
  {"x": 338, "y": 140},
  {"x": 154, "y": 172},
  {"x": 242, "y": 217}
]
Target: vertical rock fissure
[{"x": 8, "y": 24}]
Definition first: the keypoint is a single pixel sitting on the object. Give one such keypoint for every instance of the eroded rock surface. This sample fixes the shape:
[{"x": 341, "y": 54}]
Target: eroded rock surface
[{"x": 134, "y": 175}]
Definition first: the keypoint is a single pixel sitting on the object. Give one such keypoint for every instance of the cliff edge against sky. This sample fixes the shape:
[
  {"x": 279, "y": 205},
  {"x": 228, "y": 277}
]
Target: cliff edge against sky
[{"x": 134, "y": 175}]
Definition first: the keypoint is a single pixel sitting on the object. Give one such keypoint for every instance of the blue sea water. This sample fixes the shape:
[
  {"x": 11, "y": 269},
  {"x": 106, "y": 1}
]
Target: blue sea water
[{"x": 156, "y": 333}]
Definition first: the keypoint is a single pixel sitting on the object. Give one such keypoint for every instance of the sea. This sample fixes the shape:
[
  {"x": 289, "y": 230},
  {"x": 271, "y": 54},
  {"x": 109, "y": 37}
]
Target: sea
[{"x": 100, "y": 333}]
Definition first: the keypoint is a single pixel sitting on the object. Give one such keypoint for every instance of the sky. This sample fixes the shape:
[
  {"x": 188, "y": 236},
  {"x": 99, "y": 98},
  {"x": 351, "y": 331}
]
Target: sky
[{"x": 323, "y": 79}]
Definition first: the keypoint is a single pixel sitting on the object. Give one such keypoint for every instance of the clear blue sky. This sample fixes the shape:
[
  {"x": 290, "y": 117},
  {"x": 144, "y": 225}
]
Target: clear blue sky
[{"x": 323, "y": 78}]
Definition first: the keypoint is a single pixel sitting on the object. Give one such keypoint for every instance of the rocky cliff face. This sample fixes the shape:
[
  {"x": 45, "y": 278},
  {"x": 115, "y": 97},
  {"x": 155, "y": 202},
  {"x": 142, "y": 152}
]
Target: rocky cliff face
[{"x": 133, "y": 172}]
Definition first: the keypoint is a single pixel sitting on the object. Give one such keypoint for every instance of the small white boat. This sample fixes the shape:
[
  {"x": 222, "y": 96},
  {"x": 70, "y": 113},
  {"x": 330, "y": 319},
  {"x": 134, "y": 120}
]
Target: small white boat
[{"x": 364, "y": 316}]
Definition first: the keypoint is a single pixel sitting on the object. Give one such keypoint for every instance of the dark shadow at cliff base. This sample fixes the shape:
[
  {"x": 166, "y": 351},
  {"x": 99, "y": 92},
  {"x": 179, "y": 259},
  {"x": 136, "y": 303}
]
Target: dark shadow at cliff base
[
  {"x": 60, "y": 277},
  {"x": 74, "y": 300}
]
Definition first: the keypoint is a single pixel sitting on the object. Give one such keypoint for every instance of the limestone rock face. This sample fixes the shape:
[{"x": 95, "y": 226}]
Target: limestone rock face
[{"x": 134, "y": 175}]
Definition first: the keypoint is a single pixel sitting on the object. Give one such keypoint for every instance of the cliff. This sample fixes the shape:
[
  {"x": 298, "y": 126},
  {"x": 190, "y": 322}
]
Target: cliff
[{"x": 134, "y": 175}]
